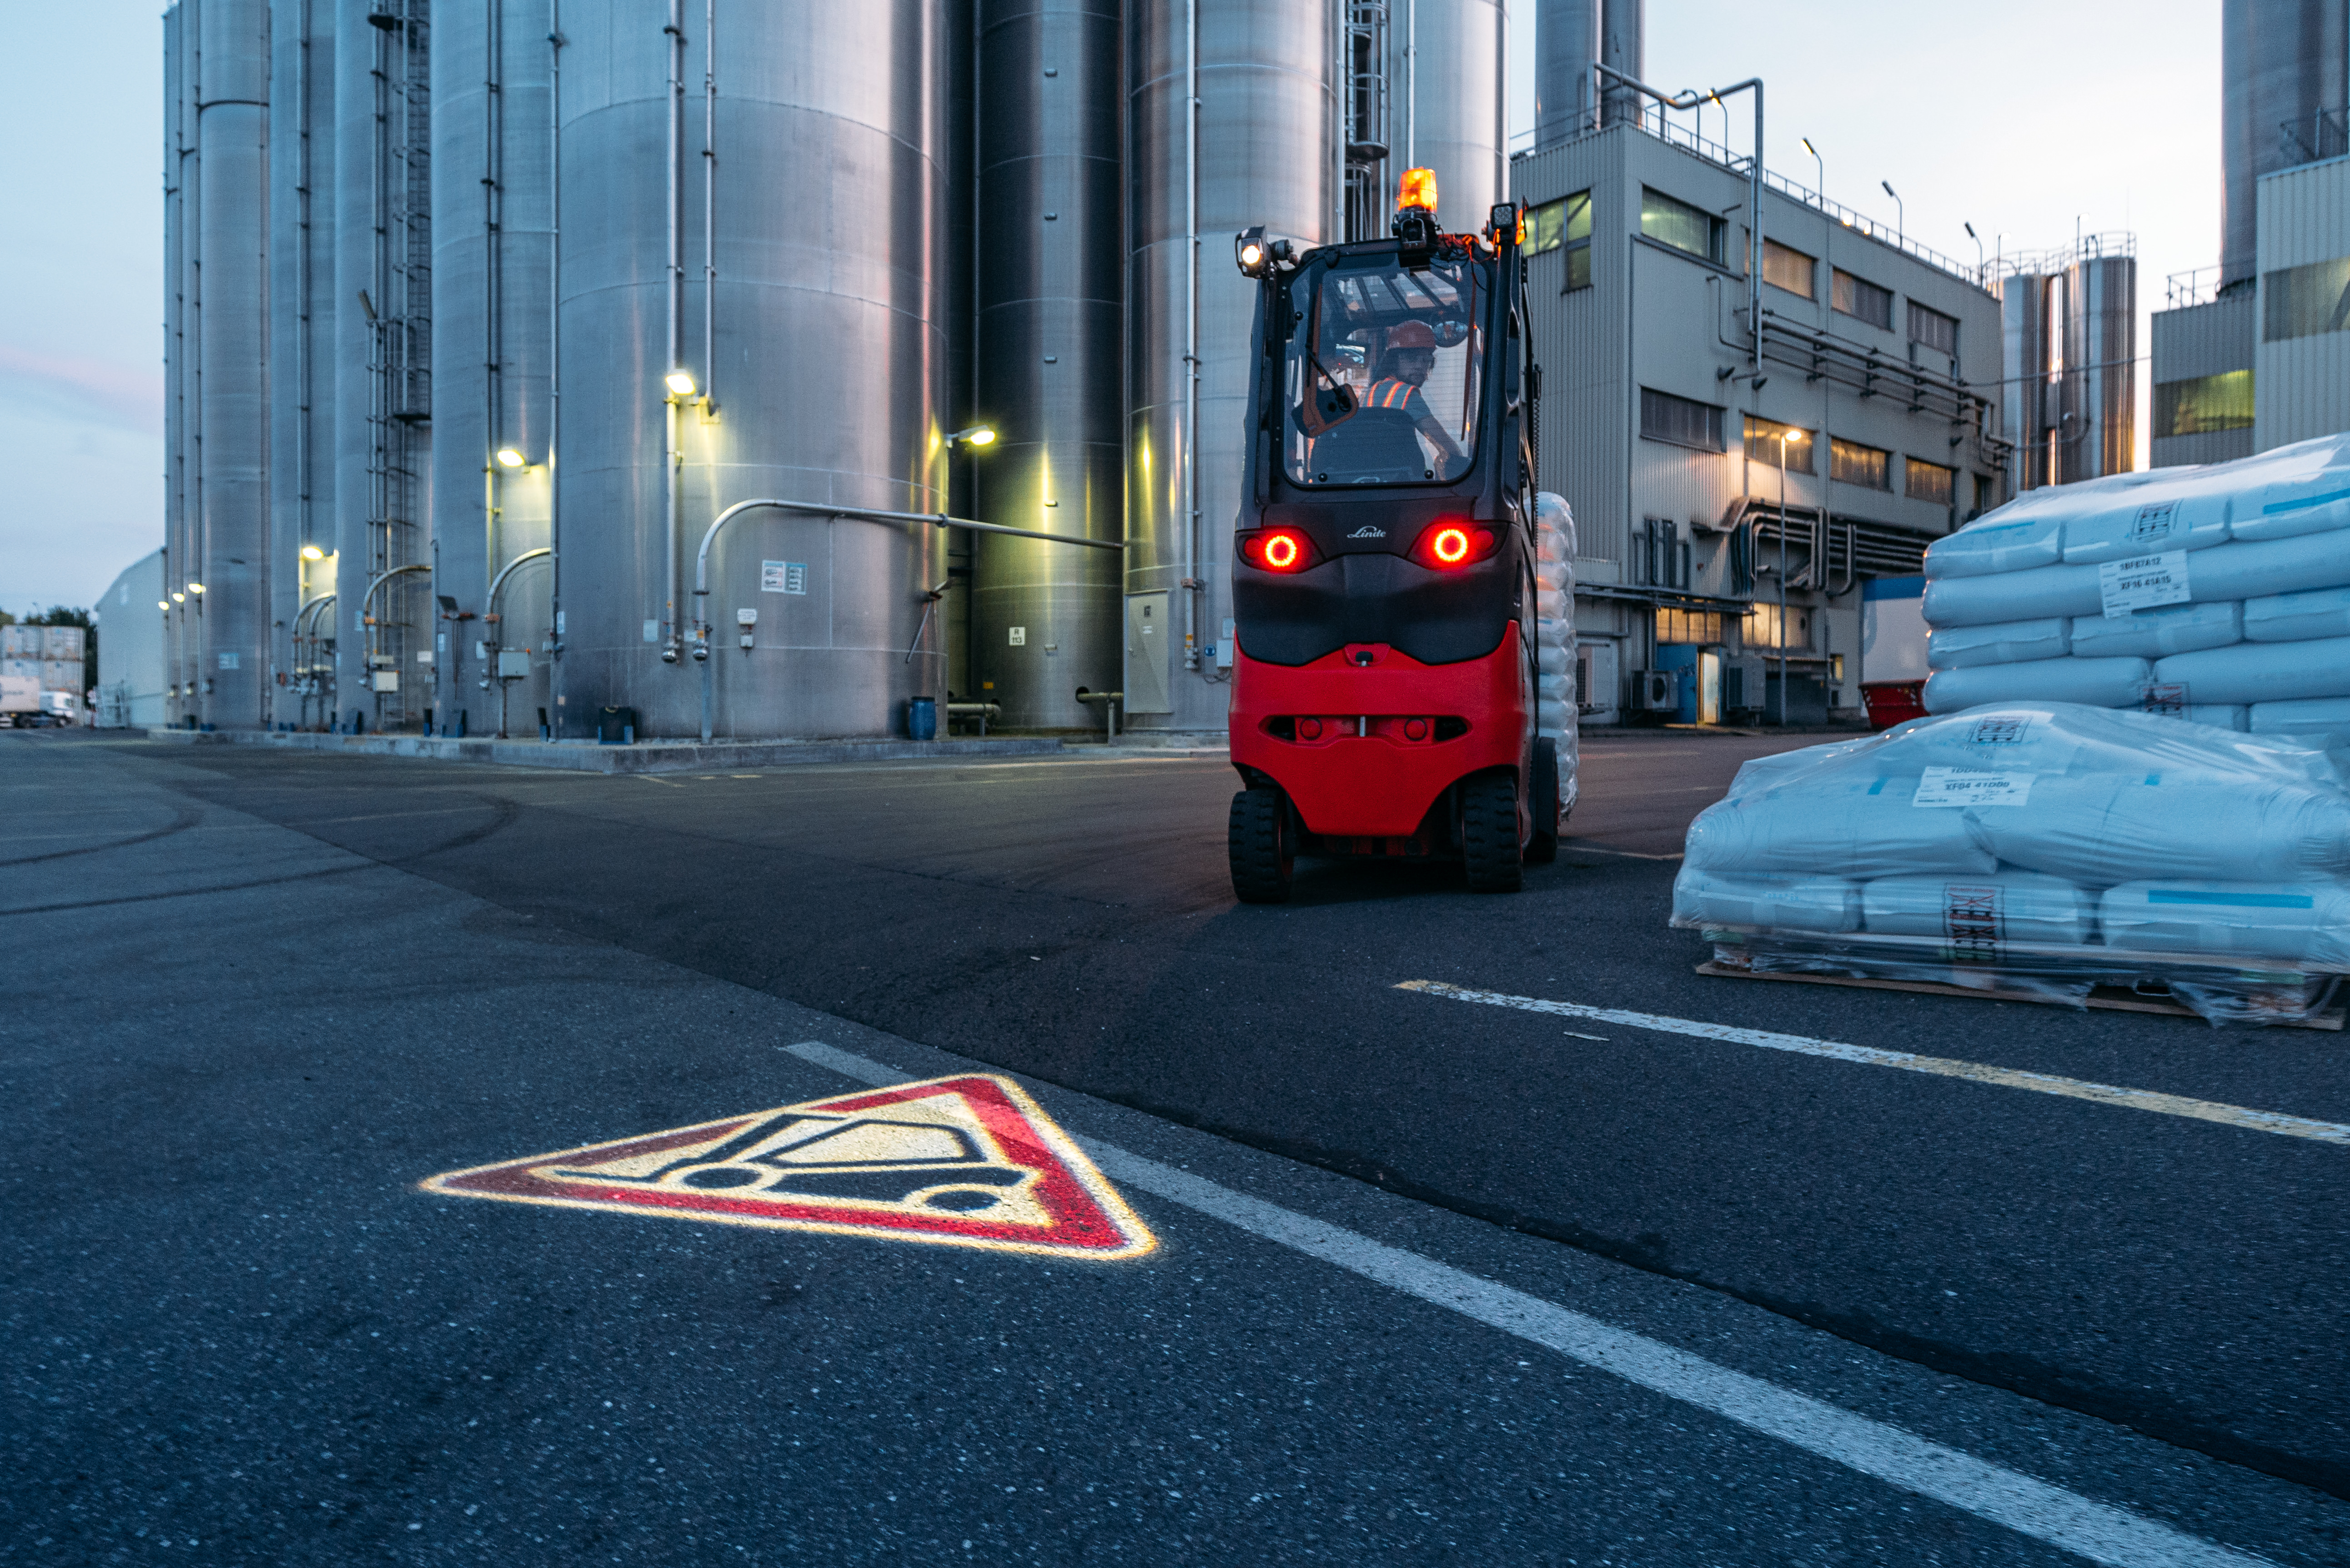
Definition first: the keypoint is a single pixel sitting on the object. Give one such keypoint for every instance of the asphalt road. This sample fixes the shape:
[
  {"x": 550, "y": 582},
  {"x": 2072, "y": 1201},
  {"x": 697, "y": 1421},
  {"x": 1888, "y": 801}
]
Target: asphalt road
[{"x": 256, "y": 998}]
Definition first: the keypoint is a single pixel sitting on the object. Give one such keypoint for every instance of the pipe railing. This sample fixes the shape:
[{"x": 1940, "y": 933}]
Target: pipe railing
[{"x": 863, "y": 513}]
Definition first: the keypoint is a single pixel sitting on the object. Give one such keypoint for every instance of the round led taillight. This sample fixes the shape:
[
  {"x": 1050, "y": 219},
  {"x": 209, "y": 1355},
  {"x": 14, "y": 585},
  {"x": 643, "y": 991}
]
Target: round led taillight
[
  {"x": 1282, "y": 550},
  {"x": 1451, "y": 545}
]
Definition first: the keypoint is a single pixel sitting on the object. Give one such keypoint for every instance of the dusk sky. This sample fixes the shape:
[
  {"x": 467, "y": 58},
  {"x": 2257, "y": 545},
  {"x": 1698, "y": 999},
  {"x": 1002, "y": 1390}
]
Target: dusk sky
[{"x": 2024, "y": 119}]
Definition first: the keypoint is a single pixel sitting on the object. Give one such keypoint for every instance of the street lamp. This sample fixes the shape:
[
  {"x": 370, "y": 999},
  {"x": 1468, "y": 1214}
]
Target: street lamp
[
  {"x": 1978, "y": 256},
  {"x": 1901, "y": 212},
  {"x": 195, "y": 587},
  {"x": 973, "y": 435},
  {"x": 1786, "y": 434},
  {"x": 680, "y": 383},
  {"x": 509, "y": 458},
  {"x": 312, "y": 552}
]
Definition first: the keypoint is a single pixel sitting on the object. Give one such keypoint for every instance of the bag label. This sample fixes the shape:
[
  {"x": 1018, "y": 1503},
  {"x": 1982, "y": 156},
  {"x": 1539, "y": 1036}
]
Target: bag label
[
  {"x": 2168, "y": 698},
  {"x": 1971, "y": 786},
  {"x": 2152, "y": 524},
  {"x": 2008, "y": 729},
  {"x": 2142, "y": 582},
  {"x": 1974, "y": 922}
]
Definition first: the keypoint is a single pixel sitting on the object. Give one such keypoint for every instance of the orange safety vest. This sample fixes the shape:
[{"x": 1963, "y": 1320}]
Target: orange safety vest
[{"x": 1394, "y": 392}]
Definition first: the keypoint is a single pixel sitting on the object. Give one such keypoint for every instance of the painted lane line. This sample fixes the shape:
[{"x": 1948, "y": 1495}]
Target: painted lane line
[
  {"x": 1942, "y": 1066},
  {"x": 2098, "y": 1532}
]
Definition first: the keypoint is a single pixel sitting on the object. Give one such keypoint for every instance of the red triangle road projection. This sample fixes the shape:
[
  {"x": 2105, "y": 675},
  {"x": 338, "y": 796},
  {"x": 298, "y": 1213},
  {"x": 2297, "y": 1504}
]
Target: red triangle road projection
[{"x": 967, "y": 1161}]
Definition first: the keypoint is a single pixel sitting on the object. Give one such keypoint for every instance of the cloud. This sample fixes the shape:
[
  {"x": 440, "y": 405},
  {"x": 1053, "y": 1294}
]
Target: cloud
[{"x": 115, "y": 393}]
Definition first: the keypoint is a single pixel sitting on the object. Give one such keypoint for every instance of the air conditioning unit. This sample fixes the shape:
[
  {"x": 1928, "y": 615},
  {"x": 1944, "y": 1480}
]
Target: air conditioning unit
[{"x": 1655, "y": 691}]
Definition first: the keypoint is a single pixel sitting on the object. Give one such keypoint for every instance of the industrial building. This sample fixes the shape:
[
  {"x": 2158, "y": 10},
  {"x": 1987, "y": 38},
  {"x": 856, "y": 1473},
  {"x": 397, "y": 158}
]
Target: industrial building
[
  {"x": 129, "y": 691},
  {"x": 2252, "y": 354},
  {"x": 1734, "y": 489}
]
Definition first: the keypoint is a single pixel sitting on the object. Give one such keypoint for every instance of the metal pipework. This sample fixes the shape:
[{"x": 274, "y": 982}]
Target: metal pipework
[
  {"x": 865, "y": 513},
  {"x": 673, "y": 318},
  {"x": 1690, "y": 100},
  {"x": 1111, "y": 701}
]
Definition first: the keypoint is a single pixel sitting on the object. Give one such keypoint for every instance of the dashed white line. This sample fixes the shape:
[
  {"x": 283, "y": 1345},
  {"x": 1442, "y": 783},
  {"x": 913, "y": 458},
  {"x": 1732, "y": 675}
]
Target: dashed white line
[
  {"x": 2098, "y": 1532},
  {"x": 1941, "y": 1066}
]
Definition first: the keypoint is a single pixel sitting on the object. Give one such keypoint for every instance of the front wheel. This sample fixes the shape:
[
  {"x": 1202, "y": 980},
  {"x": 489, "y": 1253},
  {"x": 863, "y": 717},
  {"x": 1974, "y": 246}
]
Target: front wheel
[
  {"x": 1263, "y": 849},
  {"x": 1489, "y": 832}
]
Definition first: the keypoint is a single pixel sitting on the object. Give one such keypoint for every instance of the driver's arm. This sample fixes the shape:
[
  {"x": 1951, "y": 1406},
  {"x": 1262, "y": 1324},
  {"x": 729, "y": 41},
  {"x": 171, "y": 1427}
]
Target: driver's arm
[{"x": 1438, "y": 437}]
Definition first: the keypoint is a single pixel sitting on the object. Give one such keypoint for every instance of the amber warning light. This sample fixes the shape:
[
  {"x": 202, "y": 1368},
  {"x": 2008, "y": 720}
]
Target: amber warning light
[{"x": 1418, "y": 190}]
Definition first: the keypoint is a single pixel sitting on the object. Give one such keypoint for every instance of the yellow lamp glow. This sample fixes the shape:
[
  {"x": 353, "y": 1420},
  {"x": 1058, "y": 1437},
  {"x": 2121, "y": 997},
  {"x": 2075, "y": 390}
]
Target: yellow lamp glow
[
  {"x": 512, "y": 459},
  {"x": 312, "y": 552},
  {"x": 1418, "y": 190},
  {"x": 680, "y": 382}
]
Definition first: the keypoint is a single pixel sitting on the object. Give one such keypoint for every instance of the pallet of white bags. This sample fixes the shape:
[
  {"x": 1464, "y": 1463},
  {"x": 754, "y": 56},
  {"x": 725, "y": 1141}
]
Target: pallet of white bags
[{"x": 2107, "y": 998}]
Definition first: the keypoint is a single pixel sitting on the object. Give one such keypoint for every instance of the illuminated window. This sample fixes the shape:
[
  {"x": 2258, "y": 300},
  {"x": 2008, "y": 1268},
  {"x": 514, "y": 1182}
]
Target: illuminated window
[
  {"x": 1786, "y": 267},
  {"x": 1931, "y": 482},
  {"x": 2304, "y": 301},
  {"x": 2204, "y": 404},
  {"x": 1564, "y": 224},
  {"x": 1856, "y": 464},
  {"x": 1762, "y": 444},
  {"x": 1681, "y": 225},
  {"x": 1862, "y": 300},
  {"x": 1780, "y": 628},
  {"x": 1689, "y": 626}
]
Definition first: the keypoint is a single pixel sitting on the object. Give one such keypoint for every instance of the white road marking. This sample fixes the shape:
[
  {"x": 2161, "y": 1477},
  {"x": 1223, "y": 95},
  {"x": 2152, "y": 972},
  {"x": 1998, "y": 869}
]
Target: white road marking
[
  {"x": 2098, "y": 1532},
  {"x": 1942, "y": 1066}
]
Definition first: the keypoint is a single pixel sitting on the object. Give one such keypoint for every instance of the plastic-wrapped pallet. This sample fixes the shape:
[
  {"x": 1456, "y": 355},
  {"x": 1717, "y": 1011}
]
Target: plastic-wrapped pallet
[
  {"x": 2013, "y": 848},
  {"x": 1555, "y": 693},
  {"x": 2233, "y": 579}
]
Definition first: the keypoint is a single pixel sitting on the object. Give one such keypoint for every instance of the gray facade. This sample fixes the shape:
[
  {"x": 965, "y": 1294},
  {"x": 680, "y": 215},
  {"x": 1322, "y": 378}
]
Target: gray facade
[
  {"x": 2203, "y": 381},
  {"x": 2302, "y": 366},
  {"x": 1691, "y": 534}
]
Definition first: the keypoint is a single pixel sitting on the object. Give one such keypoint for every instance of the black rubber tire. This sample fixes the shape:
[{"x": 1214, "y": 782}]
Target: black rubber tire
[
  {"x": 1263, "y": 848},
  {"x": 1489, "y": 832},
  {"x": 1543, "y": 847}
]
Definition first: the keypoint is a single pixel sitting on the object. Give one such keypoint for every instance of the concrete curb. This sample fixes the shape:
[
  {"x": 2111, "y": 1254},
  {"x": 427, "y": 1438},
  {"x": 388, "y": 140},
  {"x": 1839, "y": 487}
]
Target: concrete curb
[{"x": 645, "y": 757}]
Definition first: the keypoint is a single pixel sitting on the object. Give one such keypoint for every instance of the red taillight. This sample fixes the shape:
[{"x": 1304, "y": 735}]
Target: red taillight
[
  {"x": 1277, "y": 550},
  {"x": 1455, "y": 543}
]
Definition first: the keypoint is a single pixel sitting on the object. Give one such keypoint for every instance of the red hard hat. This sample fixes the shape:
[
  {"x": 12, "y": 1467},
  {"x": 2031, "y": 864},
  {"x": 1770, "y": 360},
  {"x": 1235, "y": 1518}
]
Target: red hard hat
[{"x": 1412, "y": 335}]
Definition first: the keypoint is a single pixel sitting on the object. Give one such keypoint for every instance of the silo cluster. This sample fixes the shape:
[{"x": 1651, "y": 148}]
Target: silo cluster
[{"x": 480, "y": 317}]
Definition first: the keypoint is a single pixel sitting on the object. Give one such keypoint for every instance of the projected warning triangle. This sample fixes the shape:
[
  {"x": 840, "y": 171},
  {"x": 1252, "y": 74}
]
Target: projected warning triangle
[{"x": 968, "y": 1161}]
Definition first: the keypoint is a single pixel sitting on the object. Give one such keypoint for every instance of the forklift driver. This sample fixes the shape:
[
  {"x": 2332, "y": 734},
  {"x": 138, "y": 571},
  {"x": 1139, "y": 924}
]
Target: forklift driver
[{"x": 1403, "y": 369}]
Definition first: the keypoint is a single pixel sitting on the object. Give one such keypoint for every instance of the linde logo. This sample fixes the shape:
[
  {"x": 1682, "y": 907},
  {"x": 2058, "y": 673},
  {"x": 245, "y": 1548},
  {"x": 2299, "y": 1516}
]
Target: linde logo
[{"x": 1367, "y": 532}]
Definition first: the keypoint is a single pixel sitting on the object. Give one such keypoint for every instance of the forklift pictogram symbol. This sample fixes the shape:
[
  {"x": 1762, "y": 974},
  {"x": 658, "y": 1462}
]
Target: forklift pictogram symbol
[{"x": 872, "y": 1159}]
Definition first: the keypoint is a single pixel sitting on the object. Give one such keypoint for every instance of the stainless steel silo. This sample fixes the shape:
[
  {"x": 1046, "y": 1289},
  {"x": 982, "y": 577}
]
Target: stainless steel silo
[
  {"x": 817, "y": 361},
  {"x": 302, "y": 308},
  {"x": 1048, "y": 325},
  {"x": 1566, "y": 42},
  {"x": 357, "y": 45},
  {"x": 2284, "y": 66},
  {"x": 2023, "y": 356},
  {"x": 2097, "y": 422},
  {"x": 1258, "y": 148},
  {"x": 1447, "y": 104},
  {"x": 492, "y": 140},
  {"x": 231, "y": 350}
]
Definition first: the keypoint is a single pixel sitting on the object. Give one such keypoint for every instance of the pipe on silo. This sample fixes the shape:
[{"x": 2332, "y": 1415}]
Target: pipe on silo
[
  {"x": 301, "y": 307},
  {"x": 232, "y": 138},
  {"x": 355, "y": 287},
  {"x": 1567, "y": 46},
  {"x": 1049, "y": 354},
  {"x": 178, "y": 151},
  {"x": 1623, "y": 25}
]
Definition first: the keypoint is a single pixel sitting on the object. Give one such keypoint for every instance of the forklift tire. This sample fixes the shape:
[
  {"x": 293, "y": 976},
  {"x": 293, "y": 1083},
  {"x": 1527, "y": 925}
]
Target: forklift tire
[
  {"x": 1543, "y": 848},
  {"x": 1489, "y": 832},
  {"x": 1264, "y": 850}
]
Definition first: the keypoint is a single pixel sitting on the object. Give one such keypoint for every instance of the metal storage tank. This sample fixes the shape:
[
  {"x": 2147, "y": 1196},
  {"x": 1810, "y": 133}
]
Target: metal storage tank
[
  {"x": 2099, "y": 414},
  {"x": 1259, "y": 148},
  {"x": 493, "y": 301},
  {"x": 1424, "y": 81},
  {"x": 1048, "y": 324},
  {"x": 2024, "y": 355},
  {"x": 818, "y": 361},
  {"x": 301, "y": 331},
  {"x": 231, "y": 350},
  {"x": 1566, "y": 42},
  {"x": 2285, "y": 73}
]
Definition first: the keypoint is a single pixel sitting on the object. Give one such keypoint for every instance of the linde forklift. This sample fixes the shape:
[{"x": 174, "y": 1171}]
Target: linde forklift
[{"x": 1384, "y": 595}]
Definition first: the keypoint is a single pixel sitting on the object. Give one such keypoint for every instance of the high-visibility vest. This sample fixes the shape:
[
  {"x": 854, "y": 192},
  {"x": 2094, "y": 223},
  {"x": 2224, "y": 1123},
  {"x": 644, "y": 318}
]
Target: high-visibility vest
[{"x": 1394, "y": 392}]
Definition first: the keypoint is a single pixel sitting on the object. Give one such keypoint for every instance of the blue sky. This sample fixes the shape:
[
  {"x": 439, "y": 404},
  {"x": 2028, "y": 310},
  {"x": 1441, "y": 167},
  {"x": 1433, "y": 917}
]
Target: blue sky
[{"x": 2022, "y": 118}]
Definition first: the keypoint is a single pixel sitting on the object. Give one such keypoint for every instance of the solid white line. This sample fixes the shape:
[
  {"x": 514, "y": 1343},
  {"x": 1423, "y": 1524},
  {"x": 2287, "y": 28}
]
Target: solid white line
[
  {"x": 2095, "y": 1530},
  {"x": 1941, "y": 1066}
]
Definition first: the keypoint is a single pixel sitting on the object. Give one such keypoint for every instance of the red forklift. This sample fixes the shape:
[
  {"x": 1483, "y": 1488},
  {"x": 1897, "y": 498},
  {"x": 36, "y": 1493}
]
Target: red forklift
[{"x": 1384, "y": 595}]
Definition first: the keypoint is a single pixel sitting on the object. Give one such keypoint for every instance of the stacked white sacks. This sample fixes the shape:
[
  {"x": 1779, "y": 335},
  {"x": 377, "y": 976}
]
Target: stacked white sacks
[
  {"x": 2002, "y": 836},
  {"x": 1554, "y": 697},
  {"x": 2217, "y": 594}
]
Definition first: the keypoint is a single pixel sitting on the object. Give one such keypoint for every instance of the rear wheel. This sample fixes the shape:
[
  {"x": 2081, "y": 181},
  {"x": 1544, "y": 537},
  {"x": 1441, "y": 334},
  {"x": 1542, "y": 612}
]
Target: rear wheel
[
  {"x": 1263, "y": 849},
  {"x": 1543, "y": 848},
  {"x": 1489, "y": 832}
]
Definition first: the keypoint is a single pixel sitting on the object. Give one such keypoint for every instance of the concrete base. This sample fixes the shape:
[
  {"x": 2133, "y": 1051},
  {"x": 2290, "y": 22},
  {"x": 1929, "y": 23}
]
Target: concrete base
[{"x": 586, "y": 756}]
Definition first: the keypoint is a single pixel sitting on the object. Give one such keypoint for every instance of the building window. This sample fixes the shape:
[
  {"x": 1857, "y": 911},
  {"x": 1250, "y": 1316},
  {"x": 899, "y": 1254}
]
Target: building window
[
  {"x": 1856, "y": 464},
  {"x": 2204, "y": 404},
  {"x": 1564, "y": 224},
  {"x": 1929, "y": 328},
  {"x": 1786, "y": 268},
  {"x": 1681, "y": 225},
  {"x": 2304, "y": 301},
  {"x": 1986, "y": 493},
  {"x": 1862, "y": 300},
  {"x": 1778, "y": 627},
  {"x": 1661, "y": 558},
  {"x": 1680, "y": 421},
  {"x": 1689, "y": 626},
  {"x": 1762, "y": 444},
  {"x": 1929, "y": 481}
]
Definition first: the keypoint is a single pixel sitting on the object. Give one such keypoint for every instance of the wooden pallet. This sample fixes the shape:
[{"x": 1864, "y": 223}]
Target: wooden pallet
[{"x": 2107, "y": 998}]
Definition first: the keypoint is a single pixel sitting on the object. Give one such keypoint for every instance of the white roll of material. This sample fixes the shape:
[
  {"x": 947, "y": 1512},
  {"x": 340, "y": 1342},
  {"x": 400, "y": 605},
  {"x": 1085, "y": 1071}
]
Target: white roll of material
[
  {"x": 2005, "y": 906},
  {"x": 1822, "y": 825},
  {"x": 2155, "y": 633},
  {"x": 1782, "y": 903},
  {"x": 2012, "y": 595},
  {"x": 2302, "y": 922},
  {"x": 2167, "y": 517},
  {"x": 2000, "y": 642},
  {"x": 2016, "y": 540},
  {"x": 2256, "y": 673},
  {"x": 2320, "y": 720},
  {"x": 2298, "y": 617},
  {"x": 2098, "y": 682},
  {"x": 2252, "y": 570},
  {"x": 2105, "y": 827}
]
